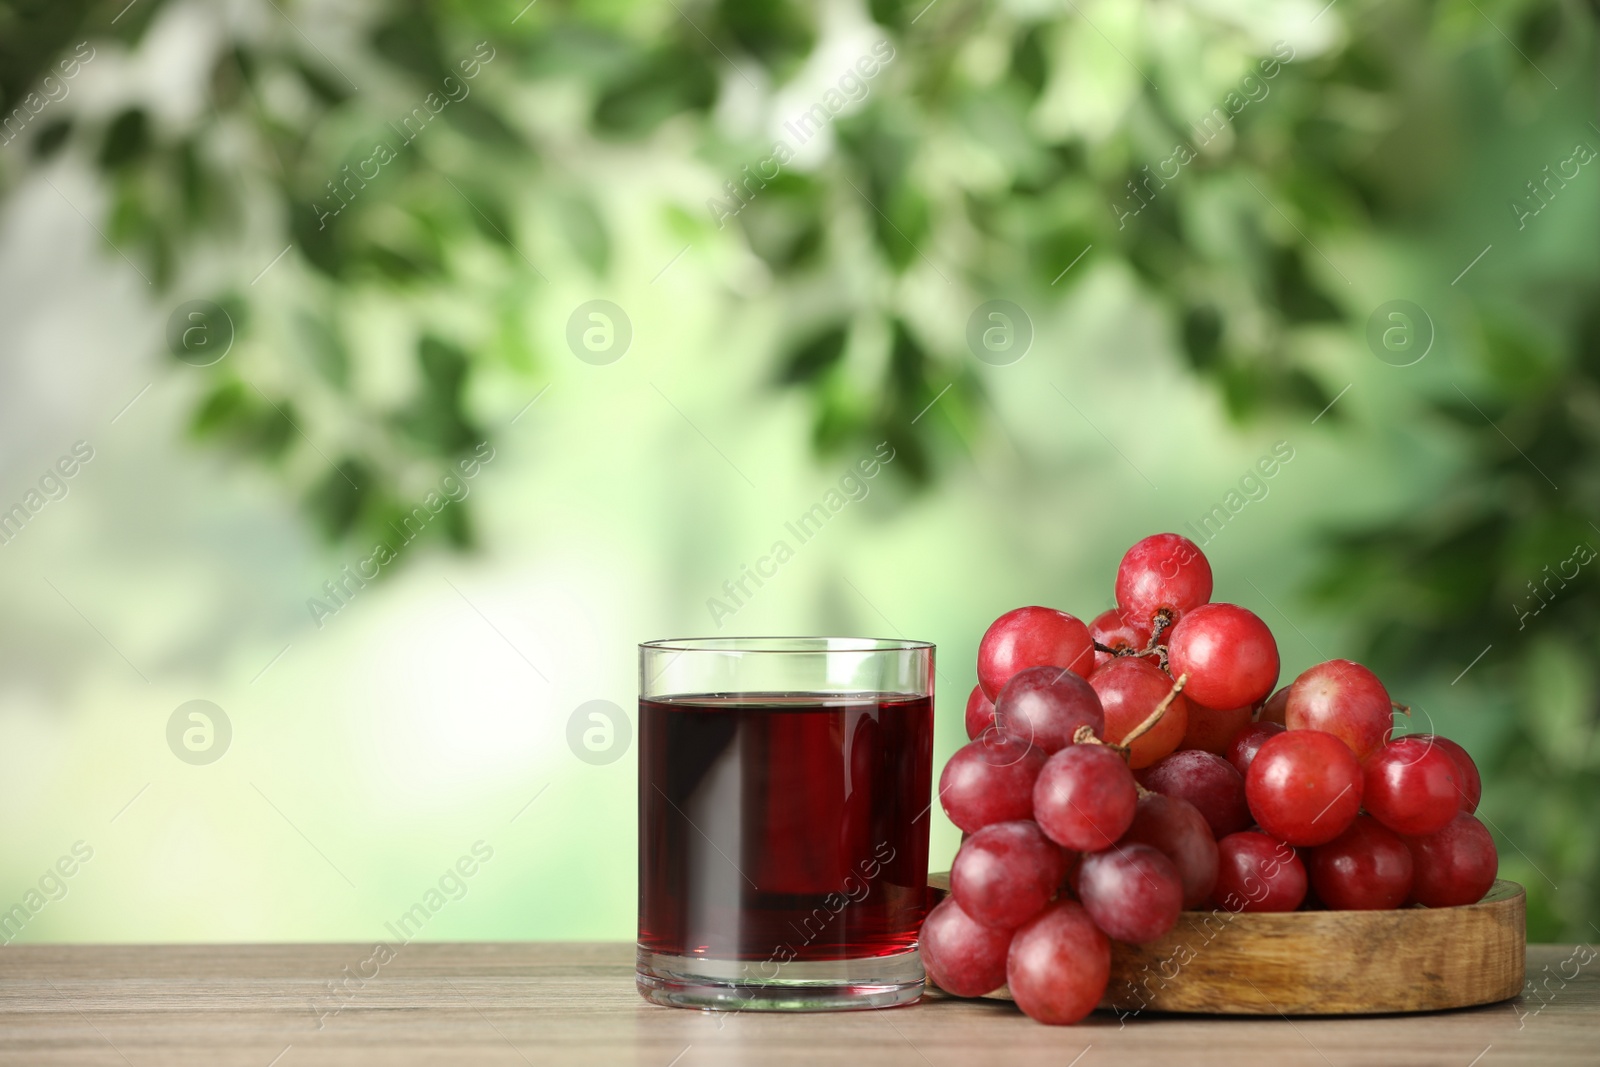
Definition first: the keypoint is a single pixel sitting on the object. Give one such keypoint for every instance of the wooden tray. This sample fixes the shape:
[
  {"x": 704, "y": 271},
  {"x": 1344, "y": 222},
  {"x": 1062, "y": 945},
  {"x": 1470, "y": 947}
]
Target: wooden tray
[{"x": 1323, "y": 962}]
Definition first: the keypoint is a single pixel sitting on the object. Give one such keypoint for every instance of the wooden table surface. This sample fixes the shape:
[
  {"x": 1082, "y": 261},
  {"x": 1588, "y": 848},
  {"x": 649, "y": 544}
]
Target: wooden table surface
[{"x": 513, "y": 1004}]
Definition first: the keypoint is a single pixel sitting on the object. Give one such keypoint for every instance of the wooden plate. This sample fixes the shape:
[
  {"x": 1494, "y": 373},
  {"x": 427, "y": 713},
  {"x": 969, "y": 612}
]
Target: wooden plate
[{"x": 1323, "y": 962}]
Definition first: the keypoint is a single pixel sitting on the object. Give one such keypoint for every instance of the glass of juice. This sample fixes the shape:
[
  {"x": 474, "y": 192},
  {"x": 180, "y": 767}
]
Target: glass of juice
[{"x": 784, "y": 791}]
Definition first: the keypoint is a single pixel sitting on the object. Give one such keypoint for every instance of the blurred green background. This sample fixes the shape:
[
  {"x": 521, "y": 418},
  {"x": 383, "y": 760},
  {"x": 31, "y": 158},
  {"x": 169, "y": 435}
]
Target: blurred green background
[{"x": 395, "y": 218}]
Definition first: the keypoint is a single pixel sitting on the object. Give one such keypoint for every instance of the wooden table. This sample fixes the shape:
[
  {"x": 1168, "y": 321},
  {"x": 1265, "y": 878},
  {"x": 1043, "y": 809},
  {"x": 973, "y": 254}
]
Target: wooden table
[{"x": 513, "y": 1004}]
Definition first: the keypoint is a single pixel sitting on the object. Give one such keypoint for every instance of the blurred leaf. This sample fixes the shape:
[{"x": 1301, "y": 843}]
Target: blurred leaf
[
  {"x": 815, "y": 356},
  {"x": 329, "y": 87},
  {"x": 585, "y": 231},
  {"x": 325, "y": 349},
  {"x": 235, "y": 413},
  {"x": 784, "y": 224},
  {"x": 666, "y": 82},
  {"x": 480, "y": 123},
  {"x": 1029, "y": 63},
  {"x": 1295, "y": 293},
  {"x": 52, "y": 136},
  {"x": 1202, "y": 336},
  {"x": 410, "y": 41},
  {"x": 434, "y": 417},
  {"x": 778, "y": 32},
  {"x": 127, "y": 139},
  {"x": 336, "y": 500}
]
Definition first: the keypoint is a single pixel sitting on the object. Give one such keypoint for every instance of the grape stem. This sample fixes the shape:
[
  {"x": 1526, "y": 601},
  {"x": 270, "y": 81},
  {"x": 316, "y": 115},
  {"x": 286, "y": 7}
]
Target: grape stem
[
  {"x": 1120, "y": 651},
  {"x": 1160, "y": 623},
  {"x": 1155, "y": 716},
  {"x": 1404, "y": 709}
]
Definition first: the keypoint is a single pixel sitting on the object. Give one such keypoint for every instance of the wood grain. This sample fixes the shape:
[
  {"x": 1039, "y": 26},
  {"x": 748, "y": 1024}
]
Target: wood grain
[
  {"x": 511, "y": 1005},
  {"x": 1324, "y": 962}
]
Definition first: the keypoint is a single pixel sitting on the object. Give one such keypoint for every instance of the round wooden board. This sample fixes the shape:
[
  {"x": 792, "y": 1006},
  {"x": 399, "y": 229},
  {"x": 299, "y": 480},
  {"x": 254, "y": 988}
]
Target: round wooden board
[{"x": 1323, "y": 962}]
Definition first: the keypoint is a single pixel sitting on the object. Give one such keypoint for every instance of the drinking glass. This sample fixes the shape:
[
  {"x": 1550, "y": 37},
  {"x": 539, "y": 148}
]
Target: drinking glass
[{"x": 784, "y": 790}]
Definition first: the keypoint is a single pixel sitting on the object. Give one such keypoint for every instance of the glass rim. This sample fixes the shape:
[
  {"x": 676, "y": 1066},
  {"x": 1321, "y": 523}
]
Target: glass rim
[{"x": 785, "y": 645}]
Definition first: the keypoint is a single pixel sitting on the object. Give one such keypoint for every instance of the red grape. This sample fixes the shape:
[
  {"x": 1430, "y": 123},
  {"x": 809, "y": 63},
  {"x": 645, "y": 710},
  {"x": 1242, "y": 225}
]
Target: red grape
[
  {"x": 1257, "y": 873},
  {"x": 1411, "y": 786},
  {"x": 1365, "y": 868},
  {"x": 1118, "y": 629},
  {"x": 1005, "y": 873},
  {"x": 1304, "y": 787},
  {"x": 963, "y": 957},
  {"x": 1469, "y": 781},
  {"x": 1275, "y": 707},
  {"x": 1163, "y": 571},
  {"x": 1129, "y": 691},
  {"x": 1032, "y": 637},
  {"x": 980, "y": 713},
  {"x": 1213, "y": 731},
  {"x": 1227, "y": 652},
  {"x": 1242, "y": 749},
  {"x": 1046, "y": 705},
  {"x": 1132, "y": 892},
  {"x": 1174, "y": 828},
  {"x": 1085, "y": 797},
  {"x": 1343, "y": 699},
  {"x": 1207, "y": 781},
  {"x": 990, "y": 780},
  {"x": 1059, "y": 965},
  {"x": 1455, "y": 866}
]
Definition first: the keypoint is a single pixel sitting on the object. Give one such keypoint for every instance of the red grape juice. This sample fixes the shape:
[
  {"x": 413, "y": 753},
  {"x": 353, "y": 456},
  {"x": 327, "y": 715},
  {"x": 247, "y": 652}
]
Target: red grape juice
[{"x": 777, "y": 827}]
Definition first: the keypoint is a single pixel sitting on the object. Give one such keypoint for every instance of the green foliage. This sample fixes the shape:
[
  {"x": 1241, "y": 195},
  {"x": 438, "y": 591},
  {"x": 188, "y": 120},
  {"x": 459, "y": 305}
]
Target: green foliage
[
  {"x": 1507, "y": 560},
  {"x": 994, "y": 149}
]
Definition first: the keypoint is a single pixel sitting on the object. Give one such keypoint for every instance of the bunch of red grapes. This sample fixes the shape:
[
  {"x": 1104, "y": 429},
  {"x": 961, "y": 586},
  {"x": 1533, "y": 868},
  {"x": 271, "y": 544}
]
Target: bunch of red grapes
[{"x": 1126, "y": 770}]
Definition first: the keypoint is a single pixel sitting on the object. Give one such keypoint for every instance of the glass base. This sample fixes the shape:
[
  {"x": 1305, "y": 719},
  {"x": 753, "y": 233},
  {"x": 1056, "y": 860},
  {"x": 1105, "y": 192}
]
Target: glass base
[{"x": 742, "y": 985}]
